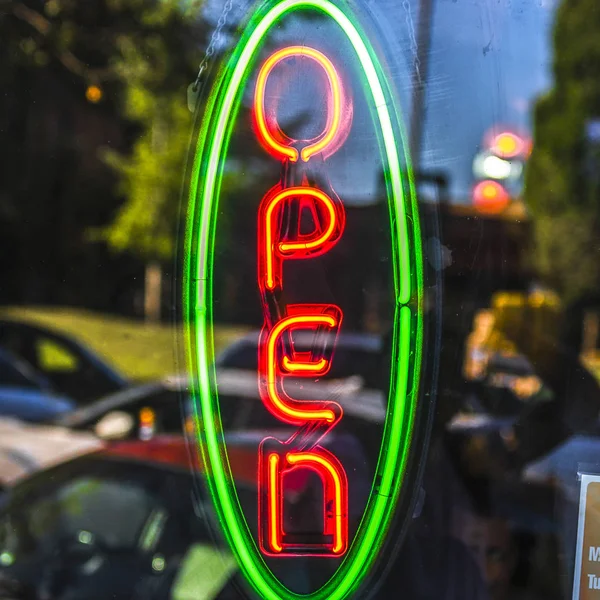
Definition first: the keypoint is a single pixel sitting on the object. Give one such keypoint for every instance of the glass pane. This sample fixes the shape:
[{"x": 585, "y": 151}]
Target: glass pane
[{"x": 336, "y": 258}]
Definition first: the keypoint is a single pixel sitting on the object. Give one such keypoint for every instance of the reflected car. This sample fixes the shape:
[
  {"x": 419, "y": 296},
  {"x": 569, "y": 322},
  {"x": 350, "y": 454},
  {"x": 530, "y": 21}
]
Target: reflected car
[
  {"x": 124, "y": 523},
  {"x": 26, "y": 394},
  {"x": 357, "y": 357},
  {"x": 67, "y": 367},
  {"x": 165, "y": 407},
  {"x": 140, "y": 411},
  {"x": 354, "y": 381},
  {"x": 27, "y": 448}
]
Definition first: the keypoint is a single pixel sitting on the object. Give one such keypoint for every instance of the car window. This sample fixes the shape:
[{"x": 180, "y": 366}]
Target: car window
[
  {"x": 111, "y": 512},
  {"x": 53, "y": 356},
  {"x": 348, "y": 362},
  {"x": 125, "y": 514},
  {"x": 253, "y": 416},
  {"x": 243, "y": 355},
  {"x": 16, "y": 375},
  {"x": 234, "y": 410},
  {"x": 72, "y": 369},
  {"x": 356, "y": 363}
]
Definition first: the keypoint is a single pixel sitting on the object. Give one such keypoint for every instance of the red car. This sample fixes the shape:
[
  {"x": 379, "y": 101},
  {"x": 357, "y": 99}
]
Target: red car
[
  {"x": 129, "y": 522},
  {"x": 133, "y": 521}
]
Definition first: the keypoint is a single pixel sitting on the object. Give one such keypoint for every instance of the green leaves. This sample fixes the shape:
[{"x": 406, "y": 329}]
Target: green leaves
[
  {"x": 151, "y": 179},
  {"x": 562, "y": 187},
  {"x": 155, "y": 70}
]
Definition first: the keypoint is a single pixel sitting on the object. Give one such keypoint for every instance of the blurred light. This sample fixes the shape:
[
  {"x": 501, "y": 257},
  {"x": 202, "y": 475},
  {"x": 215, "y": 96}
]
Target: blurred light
[
  {"x": 6, "y": 559},
  {"x": 496, "y": 168},
  {"x": 147, "y": 421},
  {"x": 85, "y": 537},
  {"x": 508, "y": 145},
  {"x": 487, "y": 165},
  {"x": 147, "y": 416},
  {"x": 490, "y": 197},
  {"x": 93, "y": 94},
  {"x": 158, "y": 563},
  {"x": 189, "y": 426}
]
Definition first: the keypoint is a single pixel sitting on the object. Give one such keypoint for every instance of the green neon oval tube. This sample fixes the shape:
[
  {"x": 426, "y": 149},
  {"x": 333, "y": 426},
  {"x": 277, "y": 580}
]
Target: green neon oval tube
[{"x": 210, "y": 154}]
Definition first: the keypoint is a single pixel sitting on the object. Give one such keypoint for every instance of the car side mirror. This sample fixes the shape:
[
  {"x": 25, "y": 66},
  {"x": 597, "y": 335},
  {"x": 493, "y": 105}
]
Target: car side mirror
[{"x": 115, "y": 425}]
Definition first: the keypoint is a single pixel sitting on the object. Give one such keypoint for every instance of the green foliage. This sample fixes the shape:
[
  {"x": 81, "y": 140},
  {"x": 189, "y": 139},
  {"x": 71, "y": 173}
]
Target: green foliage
[
  {"x": 155, "y": 78},
  {"x": 155, "y": 75},
  {"x": 562, "y": 179},
  {"x": 77, "y": 166},
  {"x": 151, "y": 178}
]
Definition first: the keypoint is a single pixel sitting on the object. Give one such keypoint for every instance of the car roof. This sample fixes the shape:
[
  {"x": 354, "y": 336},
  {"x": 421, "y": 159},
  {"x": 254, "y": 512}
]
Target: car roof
[
  {"x": 70, "y": 342},
  {"x": 179, "y": 453},
  {"x": 368, "y": 342}
]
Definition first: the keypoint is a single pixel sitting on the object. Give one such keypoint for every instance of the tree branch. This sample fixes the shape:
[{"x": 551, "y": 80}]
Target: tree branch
[{"x": 44, "y": 27}]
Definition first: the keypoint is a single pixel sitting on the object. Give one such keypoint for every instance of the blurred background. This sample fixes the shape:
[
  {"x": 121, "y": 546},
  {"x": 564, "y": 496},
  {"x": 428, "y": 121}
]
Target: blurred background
[{"x": 97, "y": 498}]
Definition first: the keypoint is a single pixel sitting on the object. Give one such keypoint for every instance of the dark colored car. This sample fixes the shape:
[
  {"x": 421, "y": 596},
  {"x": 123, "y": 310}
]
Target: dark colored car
[
  {"x": 165, "y": 407},
  {"x": 26, "y": 394},
  {"x": 134, "y": 522},
  {"x": 66, "y": 366},
  {"x": 119, "y": 524},
  {"x": 166, "y": 403},
  {"x": 161, "y": 406},
  {"x": 125, "y": 523},
  {"x": 357, "y": 356}
]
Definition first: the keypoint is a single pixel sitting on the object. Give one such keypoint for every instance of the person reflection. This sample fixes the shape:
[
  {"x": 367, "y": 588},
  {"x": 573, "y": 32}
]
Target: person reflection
[
  {"x": 434, "y": 562},
  {"x": 552, "y": 440},
  {"x": 490, "y": 543}
]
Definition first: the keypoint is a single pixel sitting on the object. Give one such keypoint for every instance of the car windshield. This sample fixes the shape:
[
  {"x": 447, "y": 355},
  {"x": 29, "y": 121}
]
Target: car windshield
[
  {"x": 112, "y": 512},
  {"x": 100, "y": 508}
]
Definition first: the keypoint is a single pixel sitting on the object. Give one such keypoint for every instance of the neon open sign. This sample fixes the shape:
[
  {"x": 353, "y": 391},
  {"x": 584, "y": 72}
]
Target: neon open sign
[
  {"x": 280, "y": 239},
  {"x": 301, "y": 218}
]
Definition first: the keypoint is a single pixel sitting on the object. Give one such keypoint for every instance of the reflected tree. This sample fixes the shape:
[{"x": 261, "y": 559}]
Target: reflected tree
[
  {"x": 562, "y": 190},
  {"x": 562, "y": 180},
  {"x": 93, "y": 136}
]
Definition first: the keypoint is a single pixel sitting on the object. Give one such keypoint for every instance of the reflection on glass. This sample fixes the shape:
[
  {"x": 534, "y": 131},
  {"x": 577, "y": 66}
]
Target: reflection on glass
[{"x": 102, "y": 491}]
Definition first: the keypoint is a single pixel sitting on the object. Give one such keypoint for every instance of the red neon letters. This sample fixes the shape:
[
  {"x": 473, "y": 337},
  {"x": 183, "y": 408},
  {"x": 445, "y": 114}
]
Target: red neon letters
[
  {"x": 282, "y": 237},
  {"x": 339, "y": 111},
  {"x": 275, "y": 365},
  {"x": 334, "y": 539},
  {"x": 276, "y": 249}
]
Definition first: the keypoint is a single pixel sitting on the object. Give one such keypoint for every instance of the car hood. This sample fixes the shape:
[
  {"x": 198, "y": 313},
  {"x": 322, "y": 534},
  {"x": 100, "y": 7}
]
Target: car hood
[{"x": 26, "y": 448}]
